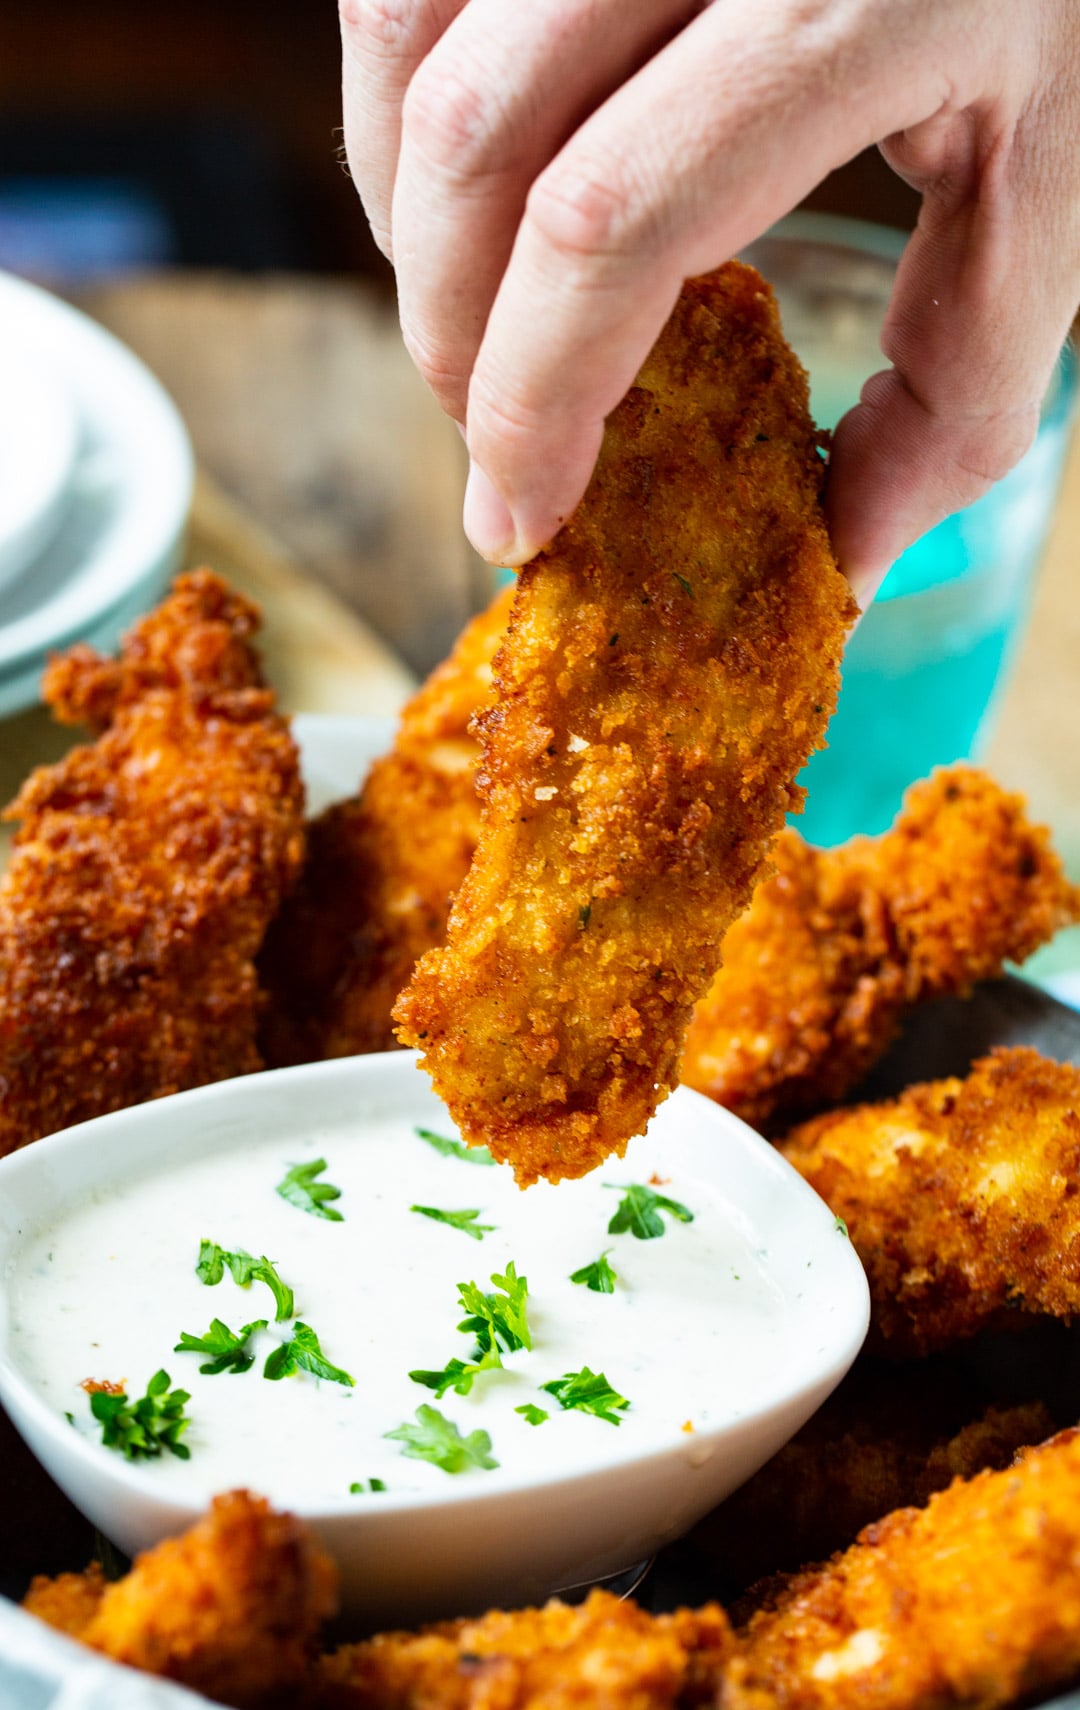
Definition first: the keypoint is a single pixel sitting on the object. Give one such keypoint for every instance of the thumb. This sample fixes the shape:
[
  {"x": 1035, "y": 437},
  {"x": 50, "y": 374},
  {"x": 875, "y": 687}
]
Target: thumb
[{"x": 982, "y": 304}]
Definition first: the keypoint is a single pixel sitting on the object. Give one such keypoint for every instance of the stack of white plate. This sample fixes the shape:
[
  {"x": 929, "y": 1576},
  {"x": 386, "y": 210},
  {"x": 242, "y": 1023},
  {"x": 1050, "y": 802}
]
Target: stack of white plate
[{"x": 96, "y": 475}]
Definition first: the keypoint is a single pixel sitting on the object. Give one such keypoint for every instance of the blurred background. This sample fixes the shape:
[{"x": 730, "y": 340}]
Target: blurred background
[{"x": 205, "y": 135}]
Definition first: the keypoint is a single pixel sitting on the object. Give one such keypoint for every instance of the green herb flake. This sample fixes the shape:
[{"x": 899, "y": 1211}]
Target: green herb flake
[
  {"x": 500, "y": 1325},
  {"x": 227, "y": 1348},
  {"x": 532, "y": 1414},
  {"x": 840, "y": 1226},
  {"x": 463, "y": 1220},
  {"x": 584, "y": 915},
  {"x": 302, "y": 1353},
  {"x": 588, "y": 1392},
  {"x": 455, "y": 1148},
  {"x": 598, "y": 1276},
  {"x": 639, "y": 1211},
  {"x": 457, "y": 1375},
  {"x": 437, "y": 1439},
  {"x": 361, "y": 1489},
  {"x": 299, "y": 1188},
  {"x": 493, "y": 1319},
  {"x": 244, "y": 1269},
  {"x": 143, "y": 1429},
  {"x": 686, "y": 586}
]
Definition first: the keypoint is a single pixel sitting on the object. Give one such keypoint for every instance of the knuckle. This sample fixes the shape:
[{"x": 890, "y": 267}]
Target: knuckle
[
  {"x": 495, "y": 418},
  {"x": 441, "y": 372},
  {"x": 997, "y": 444},
  {"x": 581, "y": 211},
  {"x": 384, "y": 29},
  {"x": 450, "y": 120}
]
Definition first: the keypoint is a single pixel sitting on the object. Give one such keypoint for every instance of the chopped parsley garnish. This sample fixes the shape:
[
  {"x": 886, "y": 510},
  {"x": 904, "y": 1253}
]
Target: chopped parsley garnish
[
  {"x": 458, "y": 1375},
  {"x": 227, "y": 1348},
  {"x": 840, "y": 1226},
  {"x": 493, "y": 1320},
  {"x": 302, "y": 1353},
  {"x": 463, "y": 1220},
  {"x": 244, "y": 1269},
  {"x": 687, "y": 587},
  {"x": 639, "y": 1211},
  {"x": 360, "y": 1488},
  {"x": 437, "y": 1439},
  {"x": 588, "y": 1392},
  {"x": 455, "y": 1148},
  {"x": 300, "y": 1188},
  {"x": 532, "y": 1414},
  {"x": 498, "y": 1321},
  {"x": 598, "y": 1276},
  {"x": 584, "y": 915},
  {"x": 143, "y": 1429}
]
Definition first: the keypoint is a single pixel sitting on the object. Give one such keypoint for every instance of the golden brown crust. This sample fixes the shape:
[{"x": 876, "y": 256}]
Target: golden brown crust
[
  {"x": 145, "y": 870},
  {"x": 840, "y": 943},
  {"x": 605, "y": 1655},
  {"x": 69, "y": 1602},
  {"x": 887, "y": 1438},
  {"x": 232, "y": 1608},
  {"x": 381, "y": 870},
  {"x": 670, "y": 663},
  {"x": 973, "y": 1601},
  {"x": 960, "y": 1197}
]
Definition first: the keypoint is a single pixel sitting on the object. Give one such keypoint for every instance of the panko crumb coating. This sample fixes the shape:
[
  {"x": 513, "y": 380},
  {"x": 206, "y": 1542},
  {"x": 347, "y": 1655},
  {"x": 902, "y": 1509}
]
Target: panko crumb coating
[
  {"x": 145, "y": 871},
  {"x": 671, "y": 662}
]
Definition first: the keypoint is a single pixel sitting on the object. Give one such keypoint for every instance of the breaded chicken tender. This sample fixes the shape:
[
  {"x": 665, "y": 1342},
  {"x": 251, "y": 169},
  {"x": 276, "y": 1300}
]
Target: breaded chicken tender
[
  {"x": 381, "y": 870},
  {"x": 972, "y": 1602},
  {"x": 145, "y": 871},
  {"x": 889, "y": 1437},
  {"x": 838, "y": 944},
  {"x": 962, "y": 1197},
  {"x": 232, "y": 1608},
  {"x": 672, "y": 660},
  {"x": 605, "y": 1655}
]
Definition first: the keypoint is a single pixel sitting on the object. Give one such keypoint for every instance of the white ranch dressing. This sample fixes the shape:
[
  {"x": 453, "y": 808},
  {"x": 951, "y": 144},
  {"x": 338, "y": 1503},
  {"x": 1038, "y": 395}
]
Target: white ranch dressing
[{"x": 695, "y": 1323}]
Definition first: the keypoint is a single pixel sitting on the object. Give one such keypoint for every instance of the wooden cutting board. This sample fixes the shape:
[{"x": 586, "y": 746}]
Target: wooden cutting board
[{"x": 320, "y": 657}]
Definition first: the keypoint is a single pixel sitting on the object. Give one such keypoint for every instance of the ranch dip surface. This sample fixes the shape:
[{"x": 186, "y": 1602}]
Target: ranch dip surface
[{"x": 693, "y": 1324}]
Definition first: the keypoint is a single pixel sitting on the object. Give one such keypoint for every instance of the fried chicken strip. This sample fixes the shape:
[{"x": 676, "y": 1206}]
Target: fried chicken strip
[
  {"x": 838, "y": 944},
  {"x": 889, "y": 1437},
  {"x": 605, "y": 1655},
  {"x": 381, "y": 870},
  {"x": 145, "y": 871},
  {"x": 232, "y": 1608},
  {"x": 671, "y": 661},
  {"x": 961, "y": 1197},
  {"x": 972, "y": 1602}
]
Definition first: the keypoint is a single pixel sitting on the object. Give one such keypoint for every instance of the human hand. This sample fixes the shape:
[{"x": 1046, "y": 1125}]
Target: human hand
[{"x": 544, "y": 177}]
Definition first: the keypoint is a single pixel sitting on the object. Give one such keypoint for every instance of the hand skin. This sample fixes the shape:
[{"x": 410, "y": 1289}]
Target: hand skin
[{"x": 544, "y": 176}]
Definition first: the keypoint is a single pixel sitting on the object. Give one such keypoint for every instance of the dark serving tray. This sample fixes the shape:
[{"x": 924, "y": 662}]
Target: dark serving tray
[{"x": 40, "y": 1531}]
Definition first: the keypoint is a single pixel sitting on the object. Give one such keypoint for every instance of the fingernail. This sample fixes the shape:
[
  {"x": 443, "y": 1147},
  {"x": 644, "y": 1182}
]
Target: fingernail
[{"x": 487, "y": 519}]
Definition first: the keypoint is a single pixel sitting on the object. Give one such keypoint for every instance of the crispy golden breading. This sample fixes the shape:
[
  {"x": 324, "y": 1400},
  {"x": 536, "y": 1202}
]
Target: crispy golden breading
[
  {"x": 232, "y": 1608},
  {"x": 605, "y": 1655},
  {"x": 839, "y": 943},
  {"x": 973, "y": 1601},
  {"x": 145, "y": 871},
  {"x": 69, "y": 1602},
  {"x": 887, "y": 1438},
  {"x": 380, "y": 871},
  {"x": 671, "y": 661},
  {"x": 961, "y": 1197}
]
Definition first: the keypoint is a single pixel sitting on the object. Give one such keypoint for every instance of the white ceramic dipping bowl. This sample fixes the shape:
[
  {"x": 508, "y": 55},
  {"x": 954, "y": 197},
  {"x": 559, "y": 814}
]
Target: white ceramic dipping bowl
[{"x": 490, "y": 1538}]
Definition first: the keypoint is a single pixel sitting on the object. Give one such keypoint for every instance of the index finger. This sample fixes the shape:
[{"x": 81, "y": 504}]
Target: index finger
[{"x": 732, "y": 113}]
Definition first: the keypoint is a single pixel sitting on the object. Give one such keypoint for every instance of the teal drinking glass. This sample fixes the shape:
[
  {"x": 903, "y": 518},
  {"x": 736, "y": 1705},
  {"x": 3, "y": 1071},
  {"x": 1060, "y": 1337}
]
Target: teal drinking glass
[{"x": 924, "y": 671}]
